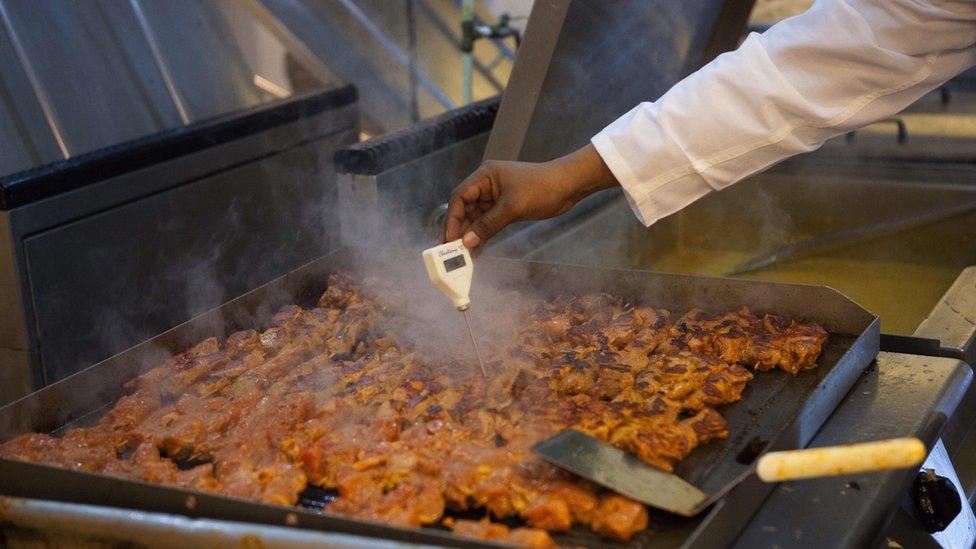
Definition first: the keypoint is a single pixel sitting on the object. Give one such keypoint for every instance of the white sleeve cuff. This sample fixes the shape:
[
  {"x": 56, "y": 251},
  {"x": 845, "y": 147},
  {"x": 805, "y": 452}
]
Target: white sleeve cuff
[{"x": 650, "y": 203}]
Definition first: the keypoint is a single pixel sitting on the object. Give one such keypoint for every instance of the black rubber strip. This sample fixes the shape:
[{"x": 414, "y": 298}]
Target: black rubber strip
[
  {"x": 383, "y": 152},
  {"x": 52, "y": 179}
]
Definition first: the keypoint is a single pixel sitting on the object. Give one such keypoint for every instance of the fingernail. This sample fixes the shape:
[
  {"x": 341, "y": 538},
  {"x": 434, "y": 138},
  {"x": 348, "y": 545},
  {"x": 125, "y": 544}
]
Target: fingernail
[{"x": 470, "y": 240}]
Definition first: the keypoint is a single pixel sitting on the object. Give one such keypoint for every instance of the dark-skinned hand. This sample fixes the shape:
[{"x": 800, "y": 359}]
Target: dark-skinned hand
[{"x": 499, "y": 193}]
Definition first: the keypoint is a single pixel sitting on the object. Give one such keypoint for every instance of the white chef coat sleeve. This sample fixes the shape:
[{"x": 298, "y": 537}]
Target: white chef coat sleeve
[{"x": 832, "y": 69}]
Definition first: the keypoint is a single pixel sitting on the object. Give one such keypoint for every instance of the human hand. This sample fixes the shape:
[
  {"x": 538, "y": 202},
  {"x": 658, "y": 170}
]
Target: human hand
[{"x": 499, "y": 193}]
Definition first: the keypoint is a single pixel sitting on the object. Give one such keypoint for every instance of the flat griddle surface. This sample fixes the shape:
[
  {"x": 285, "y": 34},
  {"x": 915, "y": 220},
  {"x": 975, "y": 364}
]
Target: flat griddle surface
[{"x": 777, "y": 410}]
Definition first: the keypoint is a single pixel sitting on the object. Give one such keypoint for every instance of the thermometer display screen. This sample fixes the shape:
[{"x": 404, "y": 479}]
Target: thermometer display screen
[{"x": 454, "y": 263}]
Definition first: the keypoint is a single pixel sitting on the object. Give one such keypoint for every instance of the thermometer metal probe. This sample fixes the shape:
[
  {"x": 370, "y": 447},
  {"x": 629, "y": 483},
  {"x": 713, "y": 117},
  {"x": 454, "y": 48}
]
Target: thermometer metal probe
[
  {"x": 450, "y": 268},
  {"x": 474, "y": 341}
]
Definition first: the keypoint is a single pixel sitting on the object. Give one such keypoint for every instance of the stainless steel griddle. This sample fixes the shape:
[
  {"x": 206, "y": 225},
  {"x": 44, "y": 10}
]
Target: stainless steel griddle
[{"x": 777, "y": 411}]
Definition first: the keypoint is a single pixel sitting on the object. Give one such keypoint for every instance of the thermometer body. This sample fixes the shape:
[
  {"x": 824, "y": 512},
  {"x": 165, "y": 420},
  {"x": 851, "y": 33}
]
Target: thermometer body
[{"x": 450, "y": 269}]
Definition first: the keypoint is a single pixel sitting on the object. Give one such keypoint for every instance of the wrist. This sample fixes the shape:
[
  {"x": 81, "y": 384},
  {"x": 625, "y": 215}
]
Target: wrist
[{"x": 584, "y": 172}]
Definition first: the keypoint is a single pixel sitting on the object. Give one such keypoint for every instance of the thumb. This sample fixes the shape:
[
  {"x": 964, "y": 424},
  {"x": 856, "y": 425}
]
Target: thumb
[{"x": 487, "y": 226}]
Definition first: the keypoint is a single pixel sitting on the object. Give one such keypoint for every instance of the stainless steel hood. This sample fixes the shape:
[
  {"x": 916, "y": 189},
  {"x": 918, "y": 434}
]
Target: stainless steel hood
[{"x": 80, "y": 76}]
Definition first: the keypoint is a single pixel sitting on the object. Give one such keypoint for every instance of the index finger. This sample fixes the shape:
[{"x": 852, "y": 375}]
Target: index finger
[
  {"x": 469, "y": 191},
  {"x": 452, "y": 221}
]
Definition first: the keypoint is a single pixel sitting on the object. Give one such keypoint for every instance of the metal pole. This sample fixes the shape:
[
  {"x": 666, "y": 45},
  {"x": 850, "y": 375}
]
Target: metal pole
[
  {"x": 467, "y": 58},
  {"x": 394, "y": 50},
  {"x": 412, "y": 67},
  {"x": 499, "y": 42},
  {"x": 445, "y": 30},
  {"x": 35, "y": 82},
  {"x": 157, "y": 54}
]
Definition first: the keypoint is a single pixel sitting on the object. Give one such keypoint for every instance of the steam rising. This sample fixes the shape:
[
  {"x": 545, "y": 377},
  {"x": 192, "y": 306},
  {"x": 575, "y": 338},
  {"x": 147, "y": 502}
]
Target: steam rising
[
  {"x": 426, "y": 319},
  {"x": 388, "y": 261}
]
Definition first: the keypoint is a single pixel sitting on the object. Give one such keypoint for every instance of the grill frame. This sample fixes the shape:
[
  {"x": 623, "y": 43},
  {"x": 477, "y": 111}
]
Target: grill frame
[{"x": 854, "y": 343}]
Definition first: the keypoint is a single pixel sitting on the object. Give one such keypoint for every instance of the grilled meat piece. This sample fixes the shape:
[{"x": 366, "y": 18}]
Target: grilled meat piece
[
  {"x": 339, "y": 397},
  {"x": 618, "y": 517},
  {"x": 692, "y": 380},
  {"x": 485, "y": 529},
  {"x": 741, "y": 337}
]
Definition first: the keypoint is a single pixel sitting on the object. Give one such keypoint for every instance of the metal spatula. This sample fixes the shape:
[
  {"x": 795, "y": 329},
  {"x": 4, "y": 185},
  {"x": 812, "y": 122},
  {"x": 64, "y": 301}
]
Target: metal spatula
[{"x": 627, "y": 475}]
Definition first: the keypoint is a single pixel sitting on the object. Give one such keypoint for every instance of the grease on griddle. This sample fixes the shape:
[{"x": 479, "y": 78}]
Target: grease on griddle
[
  {"x": 751, "y": 451},
  {"x": 317, "y": 498}
]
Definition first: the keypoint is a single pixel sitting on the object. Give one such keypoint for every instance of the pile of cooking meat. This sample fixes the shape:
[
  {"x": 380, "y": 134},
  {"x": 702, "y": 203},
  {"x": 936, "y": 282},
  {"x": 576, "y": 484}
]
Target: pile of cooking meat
[{"x": 335, "y": 397}]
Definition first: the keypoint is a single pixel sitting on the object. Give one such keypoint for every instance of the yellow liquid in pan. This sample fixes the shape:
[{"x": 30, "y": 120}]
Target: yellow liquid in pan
[{"x": 900, "y": 277}]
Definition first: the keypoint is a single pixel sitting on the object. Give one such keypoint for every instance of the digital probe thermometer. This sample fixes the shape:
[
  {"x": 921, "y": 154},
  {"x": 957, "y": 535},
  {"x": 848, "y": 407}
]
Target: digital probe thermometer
[{"x": 450, "y": 268}]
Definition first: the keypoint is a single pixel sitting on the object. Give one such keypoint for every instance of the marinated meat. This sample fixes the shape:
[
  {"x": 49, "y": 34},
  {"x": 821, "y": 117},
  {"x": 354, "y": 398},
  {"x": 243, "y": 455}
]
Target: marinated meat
[
  {"x": 338, "y": 397},
  {"x": 485, "y": 529},
  {"x": 744, "y": 338}
]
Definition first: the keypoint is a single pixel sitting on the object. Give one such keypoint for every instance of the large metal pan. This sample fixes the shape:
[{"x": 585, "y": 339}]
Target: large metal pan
[{"x": 777, "y": 411}]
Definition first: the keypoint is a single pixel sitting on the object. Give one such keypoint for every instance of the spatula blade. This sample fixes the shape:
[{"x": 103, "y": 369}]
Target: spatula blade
[{"x": 621, "y": 472}]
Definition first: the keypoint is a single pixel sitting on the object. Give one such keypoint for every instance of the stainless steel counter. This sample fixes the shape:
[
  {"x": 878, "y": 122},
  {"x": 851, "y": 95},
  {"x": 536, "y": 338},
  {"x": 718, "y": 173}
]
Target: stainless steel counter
[{"x": 904, "y": 395}]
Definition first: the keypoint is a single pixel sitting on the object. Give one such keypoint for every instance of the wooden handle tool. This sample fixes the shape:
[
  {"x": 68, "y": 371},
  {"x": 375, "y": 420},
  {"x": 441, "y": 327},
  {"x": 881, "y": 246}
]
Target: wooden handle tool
[{"x": 882, "y": 455}]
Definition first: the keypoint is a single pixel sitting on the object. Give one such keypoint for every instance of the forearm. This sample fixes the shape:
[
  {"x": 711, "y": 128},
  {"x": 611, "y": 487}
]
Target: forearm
[{"x": 839, "y": 66}]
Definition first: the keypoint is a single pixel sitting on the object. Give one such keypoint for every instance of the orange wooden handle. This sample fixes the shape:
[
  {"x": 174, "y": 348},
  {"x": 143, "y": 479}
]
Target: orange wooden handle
[{"x": 833, "y": 461}]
